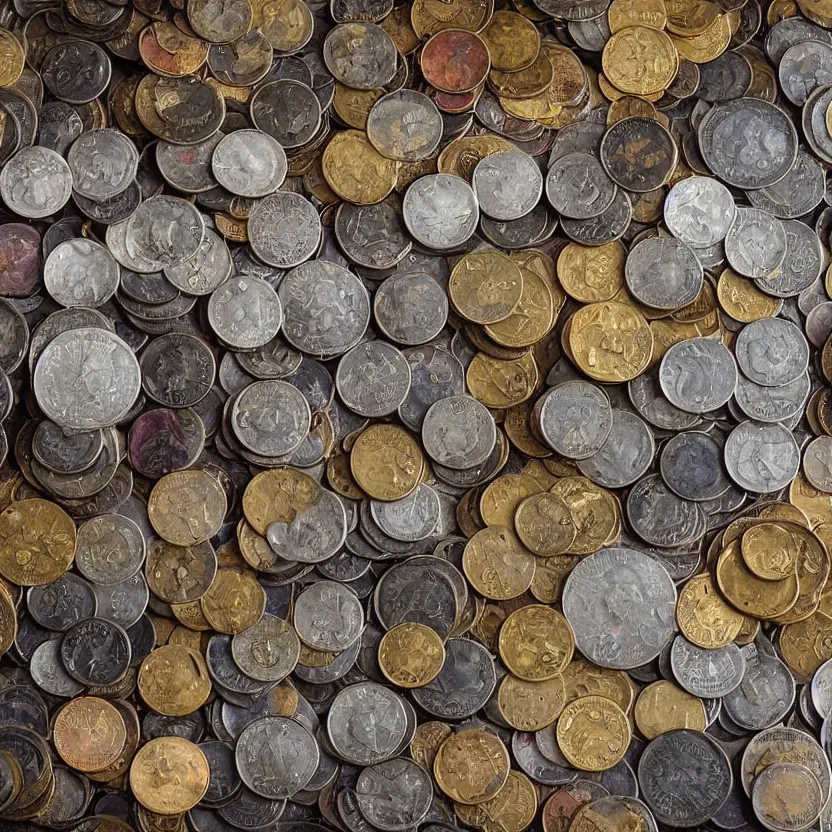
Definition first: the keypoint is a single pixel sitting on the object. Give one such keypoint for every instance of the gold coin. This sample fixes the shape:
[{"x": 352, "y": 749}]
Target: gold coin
[
  {"x": 512, "y": 810},
  {"x": 703, "y": 616},
  {"x": 583, "y": 678},
  {"x": 411, "y": 655},
  {"x": 502, "y": 383},
  {"x": 544, "y": 524},
  {"x": 612, "y": 815},
  {"x": 355, "y": 170},
  {"x": 167, "y": 50},
  {"x": 663, "y": 707},
  {"x": 527, "y": 83},
  {"x": 640, "y": 60},
  {"x": 386, "y": 462},
  {"x": 610, "y": 341},
  {"x": 549, "y": 576},
  {"x": 536, "y": 643},
  {"x": 426, "y": 741},
  {"x": 517, "y": 425},
  {"x": 287, "y": 24},
  {"x": 8, "y": 618},
  {"x": 747, "y": 593},
  {"x": 708, "y": 46},
  {"x": 593, "y": 733},
  {"x": 471, "y": 766},
  {"x": 234, "y": 602},
  {"x": 277, "y": 496},
  {"x": 512, "y": 40},
  {"x": 89, "y": 733},
  {"x": 807, "y": 644},
  {"x": 530, "y": 706},
  {"x": 37, "y": 542},
  {"x": 570, "y": 83},
  {"x": 485, "y": 287},
  {"x": 353, "y": 106},
  {"x": 462, "y": 155},
  {"x": 594, "y": 512},
  {"x": 169, "y": 775},
  {"x": 191, "y": 616},
  {"x": 688, "y": 18},
  {"x": 187, "y": 507},
  {"x": 812, "y": 569},
  {"x": 497, "y": 564},
  {"x": 174, "y": 680},
  {"x": 742, "y": 300},
  {"x": 769, "y": 551},
  {"x": 816, "y": 505},
  {"x": 624, "y": 13},
  {"x": 12, "y": 59},
  {"x": 398, "y": 25},
  {"x": 431, "y": 16},
  {"x": 531, "y": 319}
]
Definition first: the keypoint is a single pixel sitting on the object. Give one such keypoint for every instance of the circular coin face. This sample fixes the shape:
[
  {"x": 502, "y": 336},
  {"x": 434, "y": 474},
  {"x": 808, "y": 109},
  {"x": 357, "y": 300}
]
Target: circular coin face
[{"x": 169, "y": 775}]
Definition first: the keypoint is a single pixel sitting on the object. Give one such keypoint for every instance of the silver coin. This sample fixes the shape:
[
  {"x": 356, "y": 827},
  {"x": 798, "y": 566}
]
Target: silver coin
[
  {"x": 817, "y": 463},
  {"x": 772, "y": 404},
  {"x": 692, "y": 466},
  {"x": 756, "y": 243},
  {"x": 48, "y": 672},
  {"x": 804, "y": 807},
  {"x": 440, "y": 211},
  {"x": 103, "y": 163},
  {"x": 434, "y": 374},
  {"x": 268, "y": 651},
  {"x": 698, "y": 375},
  {"x": 271, "y": 418},
  {"x": 326, "y": 308},
  {"x": 86, "y": 379},
  {"x": 80, "y": 272},
  {"x": 328, "y": 616},
  {"x": 188, "y": 167},
  {"x": 410, "y": 309},
  {"x": 797, "y": 193},
  {"x": 116, "y": 239},
  {"x": 508, "y": 184},
  {"x": 405, "y": 125},
  {"x": 803, "y": 67},
  {"x": 724, "y": 78},
  {"x": 366, "y": 723},
  {"x": 648, "y": 399},
  {"x": 699, "y": 211},
  {"x": 578, "y": 187},
  {"x": 458, "y": 432},
  {"x": 620, "y": 604},
  {"x": 772, "y": 352},
  {"x": 706, "y": 673},
  {"x": 372, "y": 236},
  {"x": 821, "y": 689},
  {"x": 663, "y": 273},
  {"x": 110, "y": 549},
  {"x": 748, "y": 143},
  {"x": 412, "y": 518},
  {"x": 276, "y": 757},
  {"x": 608, "y": 226},
  {"x": 288, "y": 110},
  {"x": 574, "y": 418},
  {"x": 61, "y": 604},
  {"x": 765, "y": 695},
  {"x": 373, "y": 379},
  {"x": 165, "y": 230},
  {"x": 36, "y": 182},
  {"x": 802, "y": 265},
  {"x": 788, "y": 32},
  {"x": 245, "y": 312},
  {"x": 626, "y": 454},
  {"x": 761, "y": 457},
  {"x": 206, "y": 271},
  {"x": 394, "y": 795},
  {"x": 315, "y": 534},
  {"x": 819, "y": 323},
  {"x": 702, "y": 763},
  {"x": 249, "y": 163},
  {"x": 361, "y": 55},
  {"x": 661, "y": 517},
  {"x": 177, "y": 370}
]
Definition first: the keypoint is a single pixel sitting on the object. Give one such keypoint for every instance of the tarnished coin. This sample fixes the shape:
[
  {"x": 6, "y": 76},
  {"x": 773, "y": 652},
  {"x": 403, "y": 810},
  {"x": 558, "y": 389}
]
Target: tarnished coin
[
  {"x": 566, "y": 186},
  {"x": 110, "y": 549},
  {"x": 103, "y": 163}
]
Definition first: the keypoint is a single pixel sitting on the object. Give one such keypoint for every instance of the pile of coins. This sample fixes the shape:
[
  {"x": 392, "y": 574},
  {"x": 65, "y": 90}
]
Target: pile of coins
[{"x": 415, "y": 417}]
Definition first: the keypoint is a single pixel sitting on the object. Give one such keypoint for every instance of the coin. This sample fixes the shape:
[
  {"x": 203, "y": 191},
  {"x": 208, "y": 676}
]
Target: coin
[{"x": 169, "y": 775}]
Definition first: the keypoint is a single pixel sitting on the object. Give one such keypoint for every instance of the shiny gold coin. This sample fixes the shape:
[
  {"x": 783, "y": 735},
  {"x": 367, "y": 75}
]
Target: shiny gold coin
[
  {"x": 640, "y": 60},
  {"x": 37, "y": 542},
  {"x": 12, "y": 58},
  {"x": 530, "y": 706},
  {"x": 411, "y": 655},
  {"x": 174, "y": 680},
  {"x": 812, "y": 568},
  {"x": 89, "y": 733},
  {"x": 502, "y": 383},
  {"x": 536, "y": 643},
  {"x": 353, "y": 106},
  {"x": 517, "y": 425},
  {"x": 471, "y": 766},
  {"x": 277, "y": 496},
  {"x": 187, "y": 507},
  {"x": 169, "y": 775},
  {"x": 610, "y": 341},
  {"x": 583, "y": 678},
  {"x": 512, "y": 810},
  {"x": 386, "y": 462},
  {"x": 688, "y": 18},
  {"x": 664, "y": 706},
  {"x": 816, "y": 505},
  {"x": 234, "y": 602},
  {"x": 570, "y": 84},
  {"x": 485, "y": 287},
  {"x": 355, "y": 170},
  {"x": 703, "y": 616},
  {"x": 747, "y": 593},
  {"x": 769, "y": 551},
  {"x": 544, "y": 524},
  {"x": 497, "y": 564},
  {"x": 512, "y": 40},
  {"x": 624, "y": 13},
  {"x": 426, "y": 741},
  {"x": 531, "y": 319},
  {"x": 190, "y": 615},
  {"x": 534, "y": 80},
  {"x": 594, "y": 513},
  {"x": 708, "y": 46},
  {"x": 742, "y": 300},
  {"x": 431, "y": 16},
  {"x": 593, "y": 733},
  {"x": 616, "y": 815}
]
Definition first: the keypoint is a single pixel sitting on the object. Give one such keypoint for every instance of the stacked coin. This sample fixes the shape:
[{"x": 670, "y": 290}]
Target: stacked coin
[{"x": 415, "y": 416}]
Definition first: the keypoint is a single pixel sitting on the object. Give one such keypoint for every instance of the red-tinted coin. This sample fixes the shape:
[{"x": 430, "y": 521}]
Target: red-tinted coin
[
  {"x": 455, "y": 61},
  {"x": 20, "y": 267}
]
